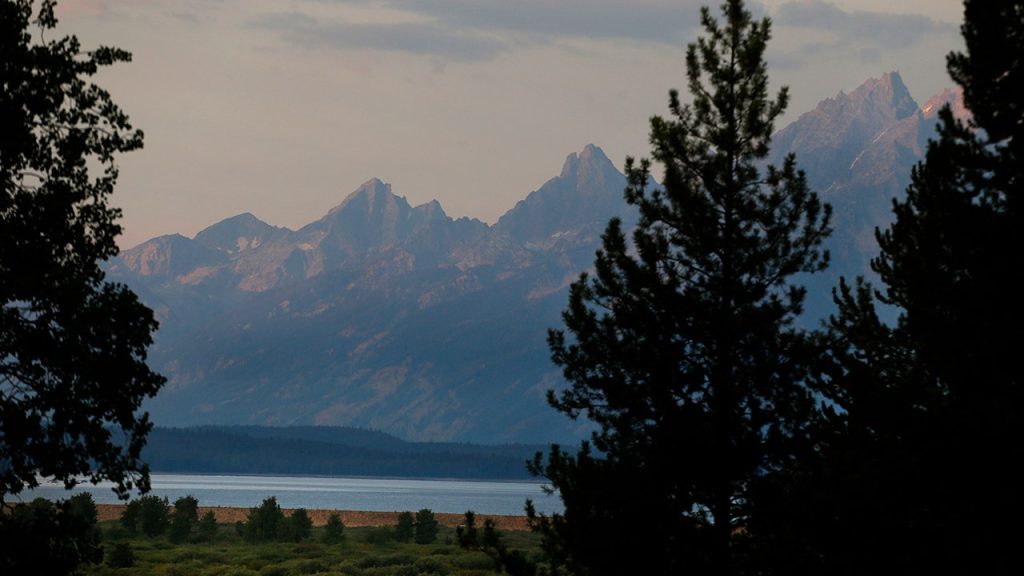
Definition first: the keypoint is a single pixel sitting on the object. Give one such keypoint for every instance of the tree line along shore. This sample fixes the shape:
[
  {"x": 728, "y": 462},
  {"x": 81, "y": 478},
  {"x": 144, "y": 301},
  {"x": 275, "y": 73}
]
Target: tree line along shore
[{"x": 351, "y": 518}]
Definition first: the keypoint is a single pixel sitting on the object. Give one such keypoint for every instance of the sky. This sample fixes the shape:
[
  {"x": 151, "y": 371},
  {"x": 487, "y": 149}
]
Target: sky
[{"x": 283, "y": 107}]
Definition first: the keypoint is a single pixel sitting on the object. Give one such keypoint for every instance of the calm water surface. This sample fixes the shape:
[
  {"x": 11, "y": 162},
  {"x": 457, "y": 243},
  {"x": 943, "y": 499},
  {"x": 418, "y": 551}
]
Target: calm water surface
[{"x": 370, "y": 494}]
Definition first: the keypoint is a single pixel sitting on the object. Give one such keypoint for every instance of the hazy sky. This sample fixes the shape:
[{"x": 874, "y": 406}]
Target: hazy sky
[{"x": 283, "y": 107}]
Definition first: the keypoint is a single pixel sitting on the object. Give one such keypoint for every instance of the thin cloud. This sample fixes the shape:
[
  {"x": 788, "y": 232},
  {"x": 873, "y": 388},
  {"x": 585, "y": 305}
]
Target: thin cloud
[
  {"x": 86, "y": 7},
  {"x": 883, "y": 31},
  {"x": 187, "y": 17},
  {"x": 473, "y": 30},
  {"x": 656, "y": 21},
  {"x": 482, "y": 29},
  {"x": 411, "y": 37}
]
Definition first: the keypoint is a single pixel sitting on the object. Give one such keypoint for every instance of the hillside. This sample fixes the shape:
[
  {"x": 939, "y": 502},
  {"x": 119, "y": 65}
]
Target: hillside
[
  {"x": 327, "y": 451},
  {"x": 400, "y": 318}
]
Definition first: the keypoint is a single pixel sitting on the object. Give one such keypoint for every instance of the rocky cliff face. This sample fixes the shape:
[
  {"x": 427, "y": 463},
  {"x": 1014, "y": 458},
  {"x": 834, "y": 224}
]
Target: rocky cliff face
[
  {"x": 378, "y": 314},
  {"x": 579, "y": 201},
  {"x": 400, "y": 318},
  {"x": 858, "y": 150}
]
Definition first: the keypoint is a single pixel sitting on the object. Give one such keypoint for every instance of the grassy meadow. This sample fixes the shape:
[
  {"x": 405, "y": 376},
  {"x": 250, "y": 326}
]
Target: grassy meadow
[{"x": 363, "y": 551}]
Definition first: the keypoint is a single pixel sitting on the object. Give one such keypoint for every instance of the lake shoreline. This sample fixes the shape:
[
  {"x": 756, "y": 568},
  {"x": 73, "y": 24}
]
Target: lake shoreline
[{"x": 351, "y": 518}]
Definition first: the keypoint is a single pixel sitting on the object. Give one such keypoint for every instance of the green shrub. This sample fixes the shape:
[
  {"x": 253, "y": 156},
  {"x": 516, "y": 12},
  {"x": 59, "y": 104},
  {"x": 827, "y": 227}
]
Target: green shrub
[
  {"x": 350, "y": 568},
  {"x": 264, "y": 522},
  {"x": 206, "y": 529},
  {"x": 378, "y": 535},
  {"x": 121, "y": 556},
  {"x": 130, "y": 516},
  {"x": 183, "y": 518},
  {"x": 83, "y": 507},
  {"x": 115, "y": 532},
  {"x": 187, "y": 506},
  {"x": 404, "y": 570},
  {"x": 431, "y": 565},
  {"x": 379, "y": 560},
  {"x": 298, "y": 526},
  {"x": 41, "y": 537},
  {"x": 149, "y": 515},
  {"x": 405, "y": 527},
  {"x": 334, "y": 530},
  {"x": 240, "y": 571},
  {"x": 179, "y": 529},
  {"x": 473, "y": 561},
  {"x": 308, "y": 549},
  {"x": 426, "y": 527},
  {"x": 309, "y": 566}
]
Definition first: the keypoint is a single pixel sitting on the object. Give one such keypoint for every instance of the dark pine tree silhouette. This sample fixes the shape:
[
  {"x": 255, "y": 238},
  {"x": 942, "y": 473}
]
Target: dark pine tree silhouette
[
  {"x": 681, "y": 345},
  {"x": 922, "y": 445}
]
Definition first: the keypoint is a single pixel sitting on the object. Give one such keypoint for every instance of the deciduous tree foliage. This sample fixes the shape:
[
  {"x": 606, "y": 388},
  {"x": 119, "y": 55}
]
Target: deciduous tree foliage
[
  {"x": 149, "y": 515},
  {"x": 681, "y": 345},
  {"x": 72, "y": 346},
  {"x": 43, "y": 537}
]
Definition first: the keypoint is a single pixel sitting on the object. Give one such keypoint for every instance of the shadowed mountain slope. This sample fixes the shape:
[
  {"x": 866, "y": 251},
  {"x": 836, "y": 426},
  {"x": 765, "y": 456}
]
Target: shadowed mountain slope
[{"x": 400, "y": 318}]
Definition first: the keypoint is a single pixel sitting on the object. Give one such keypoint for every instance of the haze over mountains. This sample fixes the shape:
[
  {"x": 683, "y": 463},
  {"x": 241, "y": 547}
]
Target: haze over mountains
[{"x": 400, "y": 318}]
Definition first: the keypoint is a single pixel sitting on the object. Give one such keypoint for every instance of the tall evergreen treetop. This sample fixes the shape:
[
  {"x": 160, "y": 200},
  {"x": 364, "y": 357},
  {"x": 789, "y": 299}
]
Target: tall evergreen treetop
[
  {"x": 682, "y": 346},
  {"x": 921, "y": 455},
  {"x": 952, "y": 260}
]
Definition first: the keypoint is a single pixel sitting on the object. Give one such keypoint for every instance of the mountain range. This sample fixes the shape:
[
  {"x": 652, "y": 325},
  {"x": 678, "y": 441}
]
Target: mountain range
[{"x": 400, "y": 318}]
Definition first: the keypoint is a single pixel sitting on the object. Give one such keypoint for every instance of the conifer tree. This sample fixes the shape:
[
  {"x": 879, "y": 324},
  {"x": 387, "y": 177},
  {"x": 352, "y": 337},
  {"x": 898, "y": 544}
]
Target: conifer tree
[
  {"x": 426, "y": 527},
  {"x": 921, "y": 451},
  {"x": 953, "y": 260},
  {"x": 405, "y": 527},
  {"x": 681, "y": 345},
  {"x": 334, "y": 530}
]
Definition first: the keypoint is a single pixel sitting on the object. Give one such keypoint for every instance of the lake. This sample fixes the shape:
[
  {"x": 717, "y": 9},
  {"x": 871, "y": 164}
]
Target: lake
[{"x": 333, "y": 493}]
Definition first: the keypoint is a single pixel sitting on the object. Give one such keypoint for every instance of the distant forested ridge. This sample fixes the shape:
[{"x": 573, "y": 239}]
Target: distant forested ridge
[{"x": 329, "y": 451}]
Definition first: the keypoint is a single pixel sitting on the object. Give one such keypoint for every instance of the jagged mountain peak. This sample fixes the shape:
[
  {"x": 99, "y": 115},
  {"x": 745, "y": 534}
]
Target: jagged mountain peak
[
  {"x": 430, "y": 210},
  {"x": 876, "y": 100},
  {"x": 239, "y": 233},
  {"x": 169, "y": 256},
  {"x": 586, "y": 192},
  {"x": 570, "y": 166},
  {"x": 829, "y": 139},
  {"x": 158, "y": 242},
  {"x": 593, "y": 151},
  {"x": 954, "y": 98},
  {"x": 887, "y": 93},
  {"x": 372, "y": 196},
  {"x": 585, "y": 172},
  {"x": 398, "y": 318},
  {"x": 243, "y": 219},
  {"x": 174, "y": 238},
  {"x": 589, "y": 161},
  {"x": 371, "y": 210}
]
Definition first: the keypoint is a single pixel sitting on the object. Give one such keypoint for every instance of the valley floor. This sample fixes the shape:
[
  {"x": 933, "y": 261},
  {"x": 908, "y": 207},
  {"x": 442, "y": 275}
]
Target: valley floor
[
  {"x": 351, "y": 518},
  {"x": 366, "y": 550}
]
